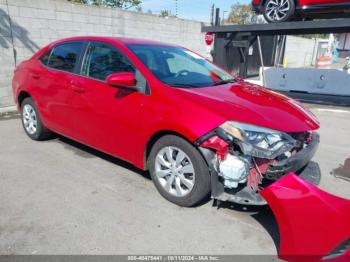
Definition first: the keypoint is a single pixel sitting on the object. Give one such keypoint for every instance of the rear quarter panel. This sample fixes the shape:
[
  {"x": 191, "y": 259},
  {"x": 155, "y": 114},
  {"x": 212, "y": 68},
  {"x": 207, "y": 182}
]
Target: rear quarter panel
[{"x": 21, "y": 81}]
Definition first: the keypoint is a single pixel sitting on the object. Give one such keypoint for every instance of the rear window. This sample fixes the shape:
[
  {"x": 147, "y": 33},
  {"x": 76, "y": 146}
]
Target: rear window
[{"x": 65, "y": 56}]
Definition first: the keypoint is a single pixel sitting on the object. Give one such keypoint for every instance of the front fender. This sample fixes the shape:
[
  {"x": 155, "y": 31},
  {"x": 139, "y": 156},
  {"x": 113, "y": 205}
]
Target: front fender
[{"x": 312, "y": 223}]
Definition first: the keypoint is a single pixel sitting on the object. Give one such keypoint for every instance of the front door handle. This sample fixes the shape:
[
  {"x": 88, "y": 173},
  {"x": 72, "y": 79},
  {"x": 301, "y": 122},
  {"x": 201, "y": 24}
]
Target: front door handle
[
  {"x": 76, "y": 88},
  {"x": 79, "y": 90}
]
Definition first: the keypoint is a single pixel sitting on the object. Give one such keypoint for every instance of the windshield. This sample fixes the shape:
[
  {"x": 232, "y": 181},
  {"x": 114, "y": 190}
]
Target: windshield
[{"x": 179, "y": 67}]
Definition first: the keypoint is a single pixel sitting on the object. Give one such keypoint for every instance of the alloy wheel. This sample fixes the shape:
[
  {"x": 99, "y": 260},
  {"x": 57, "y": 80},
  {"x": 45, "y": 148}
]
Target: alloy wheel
[
  {"x": 30, "y": 119},
  {"x": 174, "y": 171},
  {"x": 277, "y": 10}
]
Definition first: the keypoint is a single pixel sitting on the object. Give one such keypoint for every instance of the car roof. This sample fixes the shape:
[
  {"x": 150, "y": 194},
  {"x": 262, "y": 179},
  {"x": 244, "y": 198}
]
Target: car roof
[{"x": 122, "y": 40}]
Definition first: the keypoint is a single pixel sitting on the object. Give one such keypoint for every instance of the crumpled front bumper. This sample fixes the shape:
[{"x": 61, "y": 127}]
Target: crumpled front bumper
[
  {"x": 294, "y": 163},
  {"x": 314, "y": 225}
]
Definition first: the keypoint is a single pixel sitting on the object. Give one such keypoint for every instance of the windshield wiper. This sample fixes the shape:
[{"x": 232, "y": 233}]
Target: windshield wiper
[
  {"x": 183, "y": 85},
  {"x": 222, "y": 82}
]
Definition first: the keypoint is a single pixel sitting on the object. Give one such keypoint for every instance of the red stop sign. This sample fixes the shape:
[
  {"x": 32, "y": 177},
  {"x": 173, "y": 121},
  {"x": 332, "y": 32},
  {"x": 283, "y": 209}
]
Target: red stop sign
[{"x": 209, "y": 38}]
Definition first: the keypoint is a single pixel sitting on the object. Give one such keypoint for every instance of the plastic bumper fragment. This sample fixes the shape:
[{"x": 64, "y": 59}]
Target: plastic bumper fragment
[
  {"x": 220, "y": 146},
  {"x": 312, "y": 223}
]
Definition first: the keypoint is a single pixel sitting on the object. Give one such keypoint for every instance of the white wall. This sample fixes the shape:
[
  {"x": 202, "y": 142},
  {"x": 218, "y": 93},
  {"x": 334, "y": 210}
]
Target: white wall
[
  {"x": 299, "y": 51},
  {"x": 344, "y": 41}
]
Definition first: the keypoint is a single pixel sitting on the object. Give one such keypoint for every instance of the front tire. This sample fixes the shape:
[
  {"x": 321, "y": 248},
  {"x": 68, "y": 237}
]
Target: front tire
[
  {"x": 31, "y": 121},
  {"x": 276, "y": 11},
  {"x": 179, "y": 171}
]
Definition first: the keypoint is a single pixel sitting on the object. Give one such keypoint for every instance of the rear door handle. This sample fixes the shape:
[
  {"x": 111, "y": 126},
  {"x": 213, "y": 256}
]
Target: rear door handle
[{"x": 36, "y": 76}]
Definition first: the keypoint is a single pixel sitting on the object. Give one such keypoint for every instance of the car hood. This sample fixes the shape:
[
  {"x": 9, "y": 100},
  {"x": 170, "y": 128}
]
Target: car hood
[{"x": 249, "y": 103}]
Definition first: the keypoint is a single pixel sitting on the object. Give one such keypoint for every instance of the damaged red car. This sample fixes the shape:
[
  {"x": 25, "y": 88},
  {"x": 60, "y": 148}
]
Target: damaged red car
[{"x": 163, "y": 108}]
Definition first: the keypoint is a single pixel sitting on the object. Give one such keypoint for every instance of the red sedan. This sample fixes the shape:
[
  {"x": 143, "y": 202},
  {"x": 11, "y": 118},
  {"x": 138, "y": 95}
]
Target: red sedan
[
  {"x": 286, "y": 10},
  {"x": 165, "y": 109},
  {"x": 197, "y": 129}
]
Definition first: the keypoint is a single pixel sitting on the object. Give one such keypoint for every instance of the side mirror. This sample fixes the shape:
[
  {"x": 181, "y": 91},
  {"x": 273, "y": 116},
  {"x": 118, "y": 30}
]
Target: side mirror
[{"x": 122, "y": 79}]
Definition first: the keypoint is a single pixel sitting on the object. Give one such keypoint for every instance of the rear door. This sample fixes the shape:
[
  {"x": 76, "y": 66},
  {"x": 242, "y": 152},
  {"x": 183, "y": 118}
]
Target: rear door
[
  {"x": 107, "y": 118},
  {"x": 53, "y": 85}
]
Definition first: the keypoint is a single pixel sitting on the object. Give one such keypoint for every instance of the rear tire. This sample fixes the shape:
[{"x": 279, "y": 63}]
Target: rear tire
[
  {"x": 179, "y": 171},
  {"x": 31, "y": 121},
  {"x": 277, "y": 11}
]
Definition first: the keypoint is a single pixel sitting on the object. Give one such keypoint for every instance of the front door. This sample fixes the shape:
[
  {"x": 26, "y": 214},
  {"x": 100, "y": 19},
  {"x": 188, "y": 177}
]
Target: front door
[{"x": 107, "y": 118}]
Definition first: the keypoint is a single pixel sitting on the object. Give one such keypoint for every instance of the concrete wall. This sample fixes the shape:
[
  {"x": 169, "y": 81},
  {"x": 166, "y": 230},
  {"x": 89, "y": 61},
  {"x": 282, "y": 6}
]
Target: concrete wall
[
  {"x": 299, "y": 51},
  {"x": 34, "y": 24},
  {"x": 344, "y": 42}
]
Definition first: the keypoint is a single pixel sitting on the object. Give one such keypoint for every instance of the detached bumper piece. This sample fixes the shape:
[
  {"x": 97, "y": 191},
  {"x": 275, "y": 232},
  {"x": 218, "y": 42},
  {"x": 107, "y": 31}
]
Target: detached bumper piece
[{"x": 313, "y": 225}]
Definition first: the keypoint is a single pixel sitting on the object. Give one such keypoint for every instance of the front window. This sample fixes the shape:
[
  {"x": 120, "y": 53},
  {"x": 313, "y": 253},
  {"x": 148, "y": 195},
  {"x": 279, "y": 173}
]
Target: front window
[
  {"x": 103, "y": 60},
  {"x": 179, "y": 67}
]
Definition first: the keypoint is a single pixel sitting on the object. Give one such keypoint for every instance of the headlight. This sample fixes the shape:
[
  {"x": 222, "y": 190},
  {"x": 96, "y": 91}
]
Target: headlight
[{"x": 258, "y": 141}]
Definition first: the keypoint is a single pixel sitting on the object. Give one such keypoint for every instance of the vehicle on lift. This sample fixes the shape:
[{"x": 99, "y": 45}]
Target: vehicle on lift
[
  {"x": 276, "y": 11},
  {"x": 165, "y": 109}
]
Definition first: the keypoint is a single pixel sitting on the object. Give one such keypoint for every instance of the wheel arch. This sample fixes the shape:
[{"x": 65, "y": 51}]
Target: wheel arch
[
  {"x": 264, "y": 1},
  {"x": 21, "y": 96},
  {"x": 155, "y": 137},
  {"x": 206, "y": 153}
]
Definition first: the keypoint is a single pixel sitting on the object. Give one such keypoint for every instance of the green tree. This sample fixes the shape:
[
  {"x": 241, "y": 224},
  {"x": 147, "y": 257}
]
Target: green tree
[
  {"x": 125, "y": 4},
  {"x": 165, "y": 13},
  {"x": 243, "y": 14}
]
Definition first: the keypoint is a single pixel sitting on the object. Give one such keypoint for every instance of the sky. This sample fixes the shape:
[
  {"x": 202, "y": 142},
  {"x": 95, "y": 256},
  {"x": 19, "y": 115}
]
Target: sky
[{"x": 189, "y": 9}]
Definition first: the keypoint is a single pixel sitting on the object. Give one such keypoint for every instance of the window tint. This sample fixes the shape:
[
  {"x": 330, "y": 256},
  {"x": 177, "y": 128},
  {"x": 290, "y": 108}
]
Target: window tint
[
  {"x": 45, "y": 57},
  {"x": 103, "y": 60},
  {"x": 148, "y": 59},
  {"x": 179, "y": 67},
  {"x": 64, "y": 57},
  {"x": 178, "y": 63}
]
